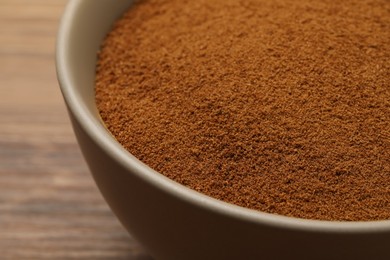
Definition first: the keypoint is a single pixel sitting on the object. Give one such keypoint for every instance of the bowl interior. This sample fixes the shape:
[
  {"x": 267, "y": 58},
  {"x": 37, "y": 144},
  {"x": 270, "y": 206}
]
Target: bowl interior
[{"x": 84, "y": 43}]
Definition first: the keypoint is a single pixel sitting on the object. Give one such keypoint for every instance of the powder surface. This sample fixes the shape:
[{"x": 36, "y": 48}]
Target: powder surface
[{"x": 282, "y": 106}]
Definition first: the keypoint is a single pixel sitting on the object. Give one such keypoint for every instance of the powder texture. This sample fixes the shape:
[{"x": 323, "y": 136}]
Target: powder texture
[{"x": 282, "y": 106}]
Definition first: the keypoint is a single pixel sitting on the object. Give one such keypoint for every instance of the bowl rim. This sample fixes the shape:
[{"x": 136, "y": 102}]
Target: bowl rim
[{"x": 101, "y": 136}]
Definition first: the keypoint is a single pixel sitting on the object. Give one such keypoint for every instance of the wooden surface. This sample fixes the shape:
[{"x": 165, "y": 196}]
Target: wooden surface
[{"x": 50, "y": 207}]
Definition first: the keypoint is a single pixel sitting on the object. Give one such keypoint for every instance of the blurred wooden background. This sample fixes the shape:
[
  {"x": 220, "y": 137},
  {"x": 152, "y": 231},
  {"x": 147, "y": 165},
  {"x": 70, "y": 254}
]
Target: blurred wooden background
[{"x": 50, "y": 207}]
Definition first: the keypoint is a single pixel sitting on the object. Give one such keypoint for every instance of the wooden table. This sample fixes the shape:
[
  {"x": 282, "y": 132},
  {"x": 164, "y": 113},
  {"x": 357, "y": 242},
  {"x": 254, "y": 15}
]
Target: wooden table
[{"x": 50, "y": 207}]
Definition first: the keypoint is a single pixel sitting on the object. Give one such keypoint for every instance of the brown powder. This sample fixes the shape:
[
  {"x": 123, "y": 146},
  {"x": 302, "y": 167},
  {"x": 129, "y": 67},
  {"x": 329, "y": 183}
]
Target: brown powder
[{"x": 281, "y": 106}]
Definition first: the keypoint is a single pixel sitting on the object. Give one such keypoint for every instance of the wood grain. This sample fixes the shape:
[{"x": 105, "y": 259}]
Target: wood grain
[{"x": 50, "y": 207}]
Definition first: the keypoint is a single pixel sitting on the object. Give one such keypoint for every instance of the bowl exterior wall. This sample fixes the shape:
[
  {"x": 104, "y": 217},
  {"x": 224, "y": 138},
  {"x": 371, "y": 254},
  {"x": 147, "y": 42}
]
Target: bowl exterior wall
[{"x": 172, "y": 228}]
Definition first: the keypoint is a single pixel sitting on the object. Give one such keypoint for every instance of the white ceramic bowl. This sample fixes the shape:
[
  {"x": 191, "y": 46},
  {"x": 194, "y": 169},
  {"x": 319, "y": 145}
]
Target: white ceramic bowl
[{"x": 170, "y": 220}]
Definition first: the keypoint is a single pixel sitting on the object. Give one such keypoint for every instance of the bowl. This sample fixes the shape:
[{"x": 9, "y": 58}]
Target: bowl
[{"x": 168, "y": 219}]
